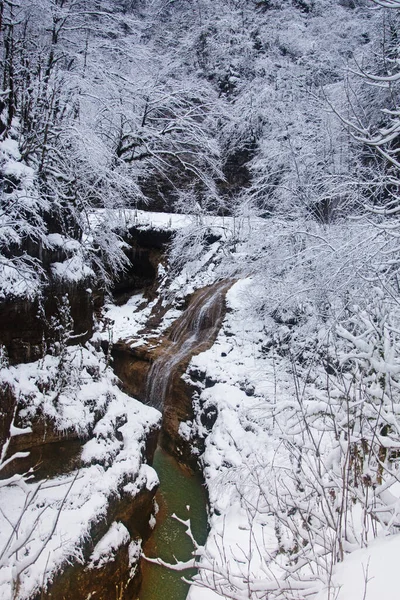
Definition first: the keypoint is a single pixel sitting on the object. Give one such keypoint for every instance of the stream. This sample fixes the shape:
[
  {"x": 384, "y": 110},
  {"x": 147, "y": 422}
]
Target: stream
[
  {"x": 178, "y": 489},
  {"x": 181, "y": 491}
]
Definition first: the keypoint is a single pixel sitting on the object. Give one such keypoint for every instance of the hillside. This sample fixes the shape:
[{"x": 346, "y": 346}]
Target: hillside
[{"x": 199, "y": 211}]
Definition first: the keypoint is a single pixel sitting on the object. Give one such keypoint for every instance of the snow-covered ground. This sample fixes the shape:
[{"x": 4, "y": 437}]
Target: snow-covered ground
[
  {"x": 43, "y": 525},
  {"x": 369, "y": 573},
  {"x": 124, "y": 322},
  {"x": 257, "y": 481},
  {"x": 284, "y": 505},
  {"x": 237, "y": 448},
  {"x": 302, "y": 491}
]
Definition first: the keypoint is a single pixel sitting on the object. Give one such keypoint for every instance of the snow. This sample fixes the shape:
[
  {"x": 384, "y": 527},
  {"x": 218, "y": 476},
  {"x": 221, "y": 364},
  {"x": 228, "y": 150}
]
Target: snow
[
  {"x": 20, "y": 171},
  {"x": 202, "y": 593},
  {"x": 12, "y": 166},
  {"x": 15, "y": 281},
  {"x": 105, "y": 549},
  {"x": 72, "y": 269},
  {"x": 10, "y": 147},
  {"x": 127, "y": 218},
  {"x": 369, "y": 573},
  {"x": 166, "y": 221},
  {"x": 62, "y": 241},
  {"x": 61, "y": 388},
  {"x": 184, "y": 430},
  {"x": 112, "y": 459},
  {"x": 151, "y": 477},
  {"x": 134, "y": 550},
  {"x": 154, "y": 220},
  {"x": 124, "y": 322},
  {"x": 19, "y": 430}
]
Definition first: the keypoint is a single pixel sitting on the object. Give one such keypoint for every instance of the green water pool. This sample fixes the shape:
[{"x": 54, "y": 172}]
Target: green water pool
[{"x": 178, "y": 489}]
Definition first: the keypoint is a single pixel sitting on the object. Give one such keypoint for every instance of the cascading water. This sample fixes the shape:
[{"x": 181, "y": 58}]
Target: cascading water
[
  {"x": 195, "y": 327},
  {"x": 192, "y": 333}
]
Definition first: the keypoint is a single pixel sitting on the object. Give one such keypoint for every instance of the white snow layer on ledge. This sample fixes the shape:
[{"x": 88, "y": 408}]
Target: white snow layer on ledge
[
  {"x": 107, "y": 547},
  {"x": 68, "y": 388},
  {"x": 16, "y": 282},
  {"x": 130, "y": 217},
  {"x": 72, "y": 269},
  {"x": 125, "y": 321},
  {"x": 72, "y": 504},
  {"x": 164, "y": 221}
]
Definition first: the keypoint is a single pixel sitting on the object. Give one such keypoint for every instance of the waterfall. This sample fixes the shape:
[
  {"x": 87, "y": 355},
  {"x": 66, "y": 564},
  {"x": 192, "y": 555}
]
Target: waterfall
[{"x": 196, "y": 326}]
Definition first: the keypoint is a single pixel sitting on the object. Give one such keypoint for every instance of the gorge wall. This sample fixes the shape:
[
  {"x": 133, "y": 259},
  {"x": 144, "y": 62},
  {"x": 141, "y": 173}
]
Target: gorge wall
[
  {"x": 28, "y": 330},
  {"x": 150, "y": 372}
]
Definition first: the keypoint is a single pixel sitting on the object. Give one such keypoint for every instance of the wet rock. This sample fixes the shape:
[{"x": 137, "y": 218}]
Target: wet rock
[
  {"x": 50, "y": 452},
  {"x": 76, "y": 580},
  {"x": 154, "y": 373},
  {"x": 117, "y": 578},
  {"x": 132, "y": 366},
  {"x": 27, "y": 326},
  {"x": 208, "y": 417},
  {"x": 7, "y": 406}
]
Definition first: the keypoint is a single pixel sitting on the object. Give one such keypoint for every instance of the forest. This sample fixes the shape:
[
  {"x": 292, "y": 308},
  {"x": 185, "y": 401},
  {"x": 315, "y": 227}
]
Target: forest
[{"x": 203, "y": 195}]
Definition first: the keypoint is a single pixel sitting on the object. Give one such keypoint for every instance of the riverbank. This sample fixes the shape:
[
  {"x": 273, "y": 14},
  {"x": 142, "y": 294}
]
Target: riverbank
[
  {"x": 265, "y": 403},
  {"x": 61, "y": 532}
]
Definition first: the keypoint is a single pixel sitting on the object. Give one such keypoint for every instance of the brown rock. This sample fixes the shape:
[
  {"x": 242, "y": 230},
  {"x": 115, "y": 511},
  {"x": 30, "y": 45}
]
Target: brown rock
[
  {"x": 7, "y": 407},
  {"x": 114, "y": 579},
  {"x": 26, "y": 325},
  {"x": 163, "y": 363}
]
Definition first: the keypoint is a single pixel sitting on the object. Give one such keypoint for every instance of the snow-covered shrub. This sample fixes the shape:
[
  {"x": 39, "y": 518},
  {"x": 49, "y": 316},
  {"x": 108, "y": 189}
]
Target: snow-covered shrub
[{"x": 21, "y": 222}]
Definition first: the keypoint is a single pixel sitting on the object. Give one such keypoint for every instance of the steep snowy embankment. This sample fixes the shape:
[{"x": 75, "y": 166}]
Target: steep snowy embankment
[
  {"x": 243, "y": 389},
  {"x": 48, "y": 524},
  {"x": 275, "y": 470},
  {"x": 297, "y": 406}
]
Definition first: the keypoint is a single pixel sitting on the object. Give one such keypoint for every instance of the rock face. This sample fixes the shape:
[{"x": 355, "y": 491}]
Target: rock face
[
  {"x": 118, "y": 577},
  {"x": 145, "y": 250},
  {"x": 27, "y": 327},
  {"x": 7, "y": 406},
  {"x": 153, "y": 373},
  {"x": 132, "y": 366},
  {"x": 53, "y": 454}
]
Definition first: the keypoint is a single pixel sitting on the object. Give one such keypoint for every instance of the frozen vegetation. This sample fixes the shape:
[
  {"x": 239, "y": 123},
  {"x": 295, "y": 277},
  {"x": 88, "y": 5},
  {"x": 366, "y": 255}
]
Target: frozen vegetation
[
  {"x": 297, "y": 410},
  {"x": 265, "y": 136}
]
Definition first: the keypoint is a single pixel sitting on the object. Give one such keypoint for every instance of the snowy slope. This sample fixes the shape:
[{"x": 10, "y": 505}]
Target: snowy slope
[{"x": 44, "y": 524}]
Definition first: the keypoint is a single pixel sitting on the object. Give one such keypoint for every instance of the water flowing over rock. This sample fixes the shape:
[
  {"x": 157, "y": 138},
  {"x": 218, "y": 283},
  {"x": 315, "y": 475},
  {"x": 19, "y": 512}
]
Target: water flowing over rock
[
  {"x": 195, "y": 329},
  {"x": 153, "y": 372}
]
